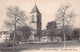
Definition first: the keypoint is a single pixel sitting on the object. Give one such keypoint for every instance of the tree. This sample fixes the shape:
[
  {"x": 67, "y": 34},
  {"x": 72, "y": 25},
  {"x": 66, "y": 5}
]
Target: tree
[
  {"x": 76, "y": 34},
  {"x": 68, "y": 32},
  {"x": 15, "y": 17},
  {"x": 64, "y": 17},
  {"x": 22, "y": 33},
  {"x": 51, "y": 29},
  {"x": 52, "y": 24}
]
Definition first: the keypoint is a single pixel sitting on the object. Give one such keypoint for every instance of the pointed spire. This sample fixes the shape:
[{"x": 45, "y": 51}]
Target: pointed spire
[
  {"x": 35, "y": 2},
  {"x": 35, "y": 9}
]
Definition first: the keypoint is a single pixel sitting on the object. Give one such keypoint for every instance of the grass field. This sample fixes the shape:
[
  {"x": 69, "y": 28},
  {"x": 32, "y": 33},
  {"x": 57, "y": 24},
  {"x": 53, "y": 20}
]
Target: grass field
[{"x": 39, "y": 46}]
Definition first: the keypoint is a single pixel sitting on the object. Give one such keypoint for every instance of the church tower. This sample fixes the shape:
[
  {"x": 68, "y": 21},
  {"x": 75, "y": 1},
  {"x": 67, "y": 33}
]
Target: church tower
[{"x": 35, "y": 21}]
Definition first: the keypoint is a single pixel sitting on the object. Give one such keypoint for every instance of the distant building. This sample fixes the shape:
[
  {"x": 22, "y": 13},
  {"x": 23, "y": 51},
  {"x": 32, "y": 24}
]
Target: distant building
[
  {"x": 4, "y": 36},
  {"x": 47, "y": 37}
]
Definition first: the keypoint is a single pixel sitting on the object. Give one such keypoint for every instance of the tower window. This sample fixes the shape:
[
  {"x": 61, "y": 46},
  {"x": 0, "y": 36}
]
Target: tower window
[{"x": 33, "y": 19}]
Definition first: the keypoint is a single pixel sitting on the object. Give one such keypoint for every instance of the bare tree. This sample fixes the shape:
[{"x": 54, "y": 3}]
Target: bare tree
[
  {"x": 64, "y": 17},
  {"x": 15, "y": 17}
]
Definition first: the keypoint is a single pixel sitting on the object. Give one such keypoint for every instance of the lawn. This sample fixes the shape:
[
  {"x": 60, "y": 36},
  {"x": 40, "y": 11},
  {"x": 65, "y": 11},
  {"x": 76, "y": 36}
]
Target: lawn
[{"x": 39, "y": 46}]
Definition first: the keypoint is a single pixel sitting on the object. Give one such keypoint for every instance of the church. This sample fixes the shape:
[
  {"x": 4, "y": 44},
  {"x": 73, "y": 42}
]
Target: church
[{"x": 35, "y": 23}]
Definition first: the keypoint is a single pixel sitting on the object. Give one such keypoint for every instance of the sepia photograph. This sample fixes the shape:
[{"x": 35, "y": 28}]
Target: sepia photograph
[{"x": 39, "y": 25}]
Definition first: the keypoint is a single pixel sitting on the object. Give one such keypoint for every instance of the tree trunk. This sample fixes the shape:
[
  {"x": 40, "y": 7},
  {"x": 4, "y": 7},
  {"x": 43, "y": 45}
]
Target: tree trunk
[
  {"x": 14, "y": 36},
  {"x": 64, "y": 31}
]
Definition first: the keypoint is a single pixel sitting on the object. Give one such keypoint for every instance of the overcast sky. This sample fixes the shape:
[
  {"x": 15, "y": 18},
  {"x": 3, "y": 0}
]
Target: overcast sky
[{"x": 48, "y": 9}]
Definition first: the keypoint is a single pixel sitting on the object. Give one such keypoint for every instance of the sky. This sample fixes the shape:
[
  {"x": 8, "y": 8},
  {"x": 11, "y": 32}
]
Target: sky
[{"x": 48, "y": 9}]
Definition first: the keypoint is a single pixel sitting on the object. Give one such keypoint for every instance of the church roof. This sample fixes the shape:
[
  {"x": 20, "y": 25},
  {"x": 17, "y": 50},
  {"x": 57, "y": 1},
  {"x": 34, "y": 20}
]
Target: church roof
[{"x": 35, "y": 9}]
